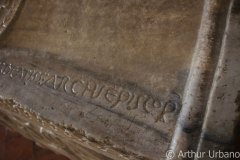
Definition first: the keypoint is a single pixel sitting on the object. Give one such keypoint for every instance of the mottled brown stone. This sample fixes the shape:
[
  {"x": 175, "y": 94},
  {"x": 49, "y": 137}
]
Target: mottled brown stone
[{"x": 116, "y": 79}]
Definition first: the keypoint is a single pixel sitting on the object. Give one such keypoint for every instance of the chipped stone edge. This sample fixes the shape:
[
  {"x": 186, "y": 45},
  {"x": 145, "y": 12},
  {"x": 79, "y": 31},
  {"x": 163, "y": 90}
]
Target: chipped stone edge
[{"x": 9, "y": 108}]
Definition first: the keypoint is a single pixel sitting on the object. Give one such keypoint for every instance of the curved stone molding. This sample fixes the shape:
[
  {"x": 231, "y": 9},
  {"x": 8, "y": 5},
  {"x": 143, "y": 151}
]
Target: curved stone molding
[{"x": 8, "y": 9}]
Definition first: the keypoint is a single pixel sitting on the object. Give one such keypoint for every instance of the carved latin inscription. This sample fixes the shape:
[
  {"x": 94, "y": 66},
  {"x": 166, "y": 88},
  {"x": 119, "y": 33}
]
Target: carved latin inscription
[{"x": 98, "y": 92}]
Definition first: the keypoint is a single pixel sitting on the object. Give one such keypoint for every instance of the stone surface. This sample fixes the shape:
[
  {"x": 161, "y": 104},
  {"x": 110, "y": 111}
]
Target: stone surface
[
  {"x": 8, "y": 9},
  {"x": 114, "y": 79},
  {"x": 221, "y": 125}
]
